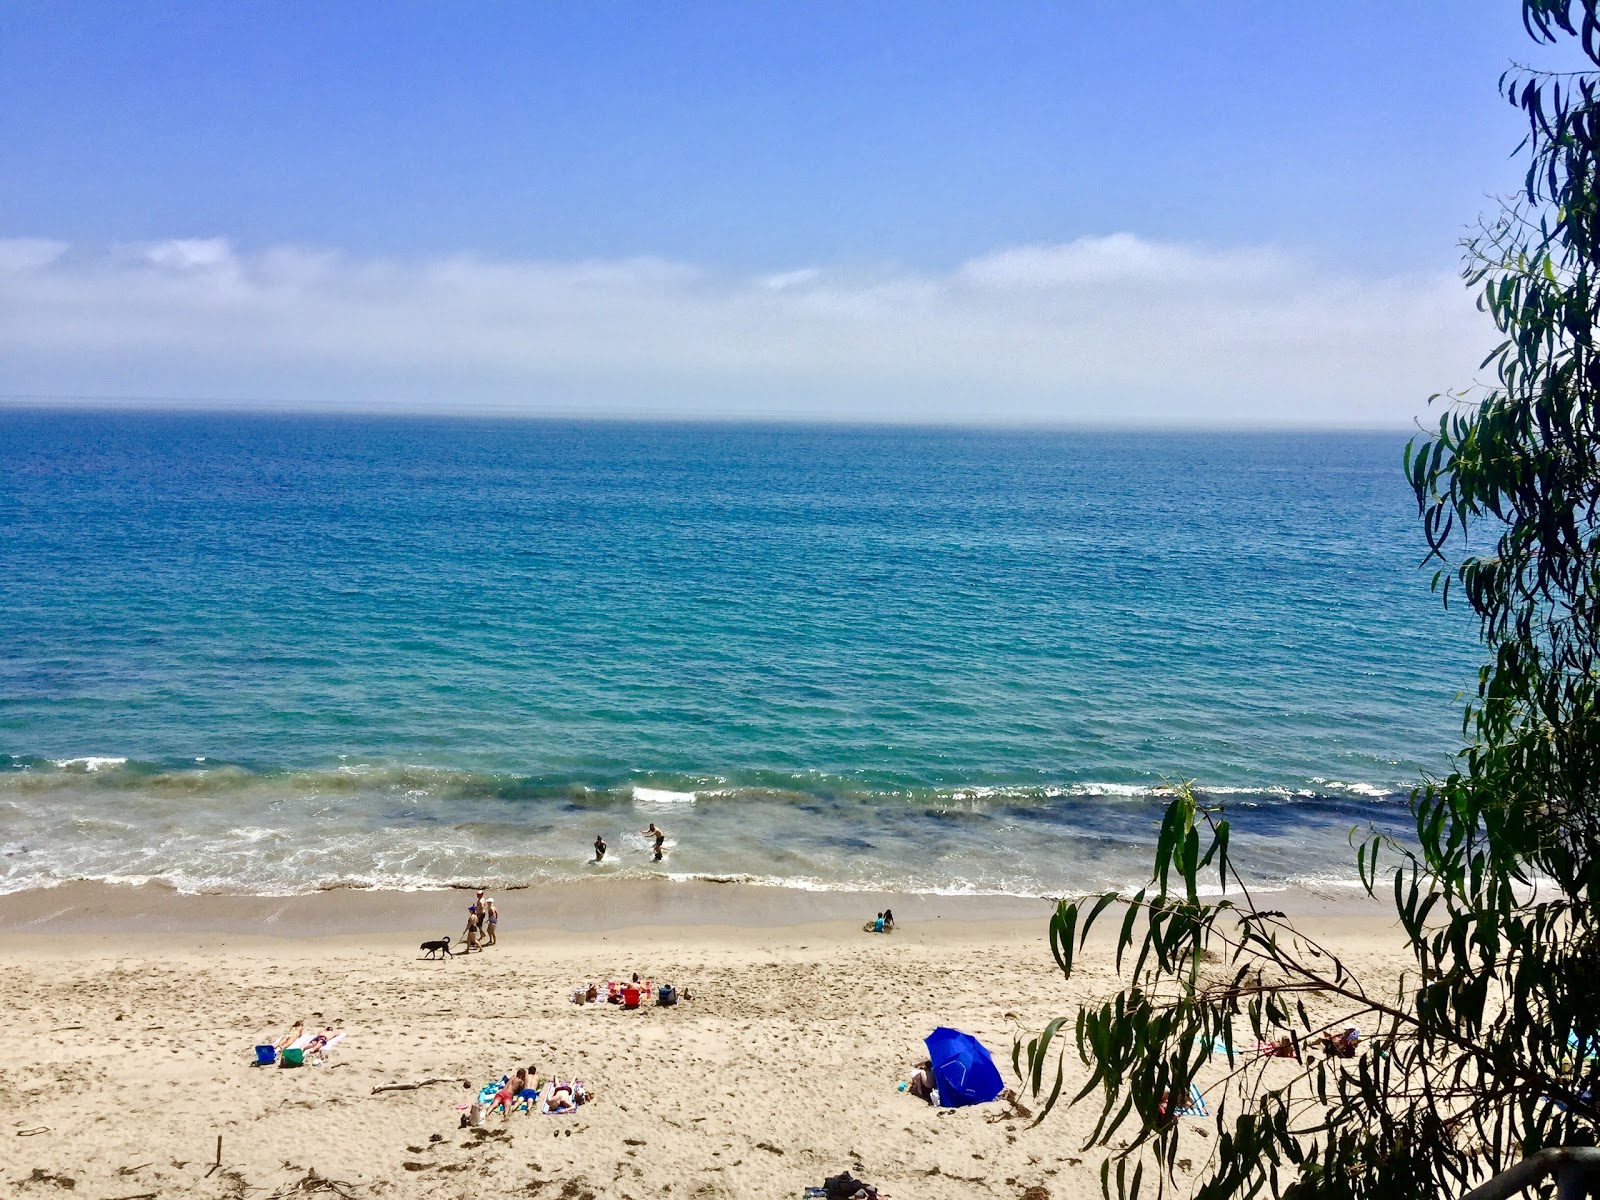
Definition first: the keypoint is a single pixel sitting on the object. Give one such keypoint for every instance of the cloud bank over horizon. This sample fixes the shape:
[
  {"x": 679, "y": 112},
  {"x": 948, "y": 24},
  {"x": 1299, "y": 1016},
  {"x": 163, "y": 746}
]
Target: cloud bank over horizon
[{"x": 1116, "y": 329}]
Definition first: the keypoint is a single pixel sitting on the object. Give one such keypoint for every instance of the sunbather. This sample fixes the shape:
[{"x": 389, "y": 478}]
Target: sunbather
[
  {"x": 320, "y": 1042},
  {"x": 1342, "y": 1045},
  {"x": 508, "y": 1092},
  {"x": 1282, "y": 1048},
  {"x": 530, "y": 1083},
  {"x": 296, "y": 1031},
  {"x": 922, "y": 1081},
  {"x": 562, "y": 1098}
]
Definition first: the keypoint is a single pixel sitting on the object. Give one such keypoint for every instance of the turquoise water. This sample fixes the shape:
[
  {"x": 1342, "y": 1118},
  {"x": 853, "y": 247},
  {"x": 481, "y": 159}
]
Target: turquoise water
[{"x": 278, "y": 653}]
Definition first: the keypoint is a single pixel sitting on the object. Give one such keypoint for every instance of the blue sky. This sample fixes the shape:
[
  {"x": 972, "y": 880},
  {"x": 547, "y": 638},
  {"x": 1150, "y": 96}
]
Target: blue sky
[{"x": 815, "y": 196}]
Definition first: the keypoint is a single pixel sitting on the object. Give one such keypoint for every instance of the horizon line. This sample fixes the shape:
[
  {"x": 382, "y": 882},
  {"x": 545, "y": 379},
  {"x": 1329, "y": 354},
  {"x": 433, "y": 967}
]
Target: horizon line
[{"x": 219, "y": 406}]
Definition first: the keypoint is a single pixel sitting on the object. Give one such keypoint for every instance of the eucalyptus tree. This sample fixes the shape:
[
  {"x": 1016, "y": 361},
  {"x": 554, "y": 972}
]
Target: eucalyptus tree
[{"x": 1486, "y": 1051}]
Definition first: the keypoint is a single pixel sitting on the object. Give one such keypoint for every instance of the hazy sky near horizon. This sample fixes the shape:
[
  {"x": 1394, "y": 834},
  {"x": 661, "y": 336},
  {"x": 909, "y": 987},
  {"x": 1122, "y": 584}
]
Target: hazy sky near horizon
[{"x": 1078, "y": 211}]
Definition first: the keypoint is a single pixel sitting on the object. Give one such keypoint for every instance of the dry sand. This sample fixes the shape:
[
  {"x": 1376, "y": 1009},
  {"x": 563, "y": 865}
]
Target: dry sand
[{"x": 129, "y": 1016}]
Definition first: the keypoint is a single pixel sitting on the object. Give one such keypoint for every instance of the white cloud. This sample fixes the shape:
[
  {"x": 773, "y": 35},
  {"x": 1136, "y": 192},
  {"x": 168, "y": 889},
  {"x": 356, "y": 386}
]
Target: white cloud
[{"x": 1118, "y": 329}]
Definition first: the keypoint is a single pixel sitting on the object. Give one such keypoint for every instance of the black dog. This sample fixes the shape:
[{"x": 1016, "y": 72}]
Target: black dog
[{"x": 433, "y": 948}]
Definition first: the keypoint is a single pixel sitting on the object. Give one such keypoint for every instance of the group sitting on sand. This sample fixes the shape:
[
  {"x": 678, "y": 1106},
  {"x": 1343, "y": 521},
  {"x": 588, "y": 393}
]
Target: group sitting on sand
[
  {"x": 629, "y": 994},
  {"x": 883, "y": 923}
]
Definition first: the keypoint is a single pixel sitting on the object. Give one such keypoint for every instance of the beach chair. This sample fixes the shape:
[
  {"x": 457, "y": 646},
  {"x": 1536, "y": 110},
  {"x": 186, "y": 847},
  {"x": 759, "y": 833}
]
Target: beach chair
[
  {"x": 294, "y": 1056},
  {"x": 266, "y": 1055}
]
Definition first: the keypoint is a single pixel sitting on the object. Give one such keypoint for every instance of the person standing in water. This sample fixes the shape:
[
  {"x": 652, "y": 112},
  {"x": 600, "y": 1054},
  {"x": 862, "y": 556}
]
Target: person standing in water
[
  {"x": 659, "y": 836},
  {"x": 599, "y": 848}
]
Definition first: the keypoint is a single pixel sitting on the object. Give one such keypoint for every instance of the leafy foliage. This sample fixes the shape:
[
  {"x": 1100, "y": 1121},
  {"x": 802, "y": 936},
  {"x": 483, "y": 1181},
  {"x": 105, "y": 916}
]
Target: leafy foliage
[{"x": 1486, "y": 1051}]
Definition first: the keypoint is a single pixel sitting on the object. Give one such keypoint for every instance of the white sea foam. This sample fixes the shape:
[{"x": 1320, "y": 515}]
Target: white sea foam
[
  {"x": 1371, "y": 791},
  {"x": 89, "y": 763},
  {"x": 646, "y": 795}
]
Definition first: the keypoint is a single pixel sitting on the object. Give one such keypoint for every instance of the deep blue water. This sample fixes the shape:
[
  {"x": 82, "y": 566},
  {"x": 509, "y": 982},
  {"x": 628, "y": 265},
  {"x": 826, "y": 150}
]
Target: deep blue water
[{"x": 408, "y": 651}]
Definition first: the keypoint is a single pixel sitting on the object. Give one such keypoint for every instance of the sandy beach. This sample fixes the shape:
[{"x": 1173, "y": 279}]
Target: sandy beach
[{"x": 130, "y": 1014}]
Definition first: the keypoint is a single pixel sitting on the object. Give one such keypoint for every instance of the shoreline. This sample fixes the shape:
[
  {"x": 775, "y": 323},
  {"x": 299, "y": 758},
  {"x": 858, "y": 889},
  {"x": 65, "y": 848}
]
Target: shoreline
[{"x": 578, "y": 906}]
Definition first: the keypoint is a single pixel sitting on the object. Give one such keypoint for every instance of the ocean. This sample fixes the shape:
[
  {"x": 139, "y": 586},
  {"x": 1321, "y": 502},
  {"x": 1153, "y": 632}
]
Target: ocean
[{"x": 273, "y": 654}]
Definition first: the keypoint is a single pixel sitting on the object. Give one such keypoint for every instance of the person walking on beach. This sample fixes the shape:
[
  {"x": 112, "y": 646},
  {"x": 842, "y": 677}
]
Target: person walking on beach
[
  {"x": 492, "y": 916},
  {"x": 599, "y": 848}
]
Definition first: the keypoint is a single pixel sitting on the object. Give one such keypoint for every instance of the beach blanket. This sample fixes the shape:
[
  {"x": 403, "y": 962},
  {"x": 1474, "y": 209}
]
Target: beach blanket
[
  {"x": 1196, "y": 1106},
  {"x": 327, "y": 1047}
]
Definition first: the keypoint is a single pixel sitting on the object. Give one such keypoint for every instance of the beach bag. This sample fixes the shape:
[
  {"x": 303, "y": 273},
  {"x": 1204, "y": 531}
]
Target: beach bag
[{"x": 666, "y": 995}]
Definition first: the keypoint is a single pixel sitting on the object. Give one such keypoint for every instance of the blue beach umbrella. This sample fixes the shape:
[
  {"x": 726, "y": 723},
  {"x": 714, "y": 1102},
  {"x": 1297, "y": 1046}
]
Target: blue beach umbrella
[{"x": 962, "y": 1067}]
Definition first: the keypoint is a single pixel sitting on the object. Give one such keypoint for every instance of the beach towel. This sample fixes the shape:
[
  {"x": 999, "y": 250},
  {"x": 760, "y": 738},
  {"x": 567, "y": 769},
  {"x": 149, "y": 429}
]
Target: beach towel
[
  {"x": 327, "y": 1047},
  {"x": 1196, "y": 1106}
]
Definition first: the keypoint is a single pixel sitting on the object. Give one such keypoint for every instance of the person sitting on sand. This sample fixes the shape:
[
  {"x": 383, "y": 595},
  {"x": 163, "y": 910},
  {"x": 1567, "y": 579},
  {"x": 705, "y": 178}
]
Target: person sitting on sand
[
  {"x": 599, "y": 849},
  {"x": 1342, "y": 1045},
  {"x": 290, "y": 1038},
  {"x": 492, "y": 916},
  {"x": 877, "y": 925},
  {"x": 922, "y": 1082},
  {"x": 888, "y": 920}
]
